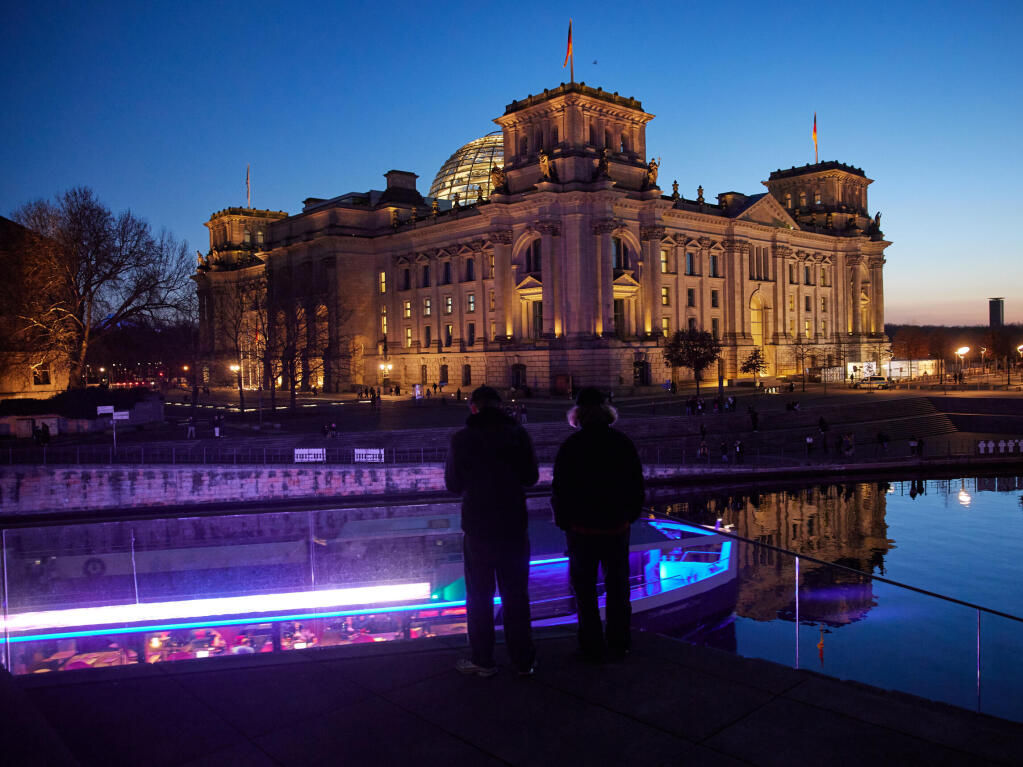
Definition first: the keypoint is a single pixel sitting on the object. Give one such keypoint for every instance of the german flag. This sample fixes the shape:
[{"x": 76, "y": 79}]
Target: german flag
[
  {"x": 568, "y": 51},
  {"x": 814, "y": 134}
]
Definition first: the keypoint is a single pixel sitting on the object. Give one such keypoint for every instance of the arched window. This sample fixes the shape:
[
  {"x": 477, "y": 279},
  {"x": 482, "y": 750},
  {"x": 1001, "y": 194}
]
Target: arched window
[
  {"x": 756, "y": 315},
  {"x": 619, "y": 254},
  {"x": 533, "y": 260}
]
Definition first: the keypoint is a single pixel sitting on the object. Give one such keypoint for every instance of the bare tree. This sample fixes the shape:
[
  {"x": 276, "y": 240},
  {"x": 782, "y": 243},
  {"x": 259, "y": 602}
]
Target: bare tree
[
  {"x": 240, "y": 302},
  {"x": 91, "y": 270}
]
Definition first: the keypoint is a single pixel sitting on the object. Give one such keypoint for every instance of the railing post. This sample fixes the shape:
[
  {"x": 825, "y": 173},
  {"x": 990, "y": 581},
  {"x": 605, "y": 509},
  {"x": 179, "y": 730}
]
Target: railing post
[
  {"x": 978, "y": 661},
  {"x": 797, "y": 612}
]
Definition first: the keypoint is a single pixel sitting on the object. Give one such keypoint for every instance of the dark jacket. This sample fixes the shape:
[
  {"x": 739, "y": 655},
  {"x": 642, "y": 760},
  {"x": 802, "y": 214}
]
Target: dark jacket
[
  {"x": 489, "y": 464},
  {"x": 598, "y": 481}
]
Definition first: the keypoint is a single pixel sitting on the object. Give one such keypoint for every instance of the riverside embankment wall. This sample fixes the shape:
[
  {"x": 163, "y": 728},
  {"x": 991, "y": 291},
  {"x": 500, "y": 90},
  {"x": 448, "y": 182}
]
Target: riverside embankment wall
[{"x": 26, "y": 490}]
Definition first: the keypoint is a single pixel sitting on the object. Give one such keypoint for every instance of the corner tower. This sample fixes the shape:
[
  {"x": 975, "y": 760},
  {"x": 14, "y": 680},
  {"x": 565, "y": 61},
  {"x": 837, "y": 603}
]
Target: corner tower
[{"x": 587, "y": 133}]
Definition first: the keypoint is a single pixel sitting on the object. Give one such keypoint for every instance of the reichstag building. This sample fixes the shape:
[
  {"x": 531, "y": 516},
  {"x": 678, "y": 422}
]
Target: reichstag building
[{"x": 546, "y": 255}]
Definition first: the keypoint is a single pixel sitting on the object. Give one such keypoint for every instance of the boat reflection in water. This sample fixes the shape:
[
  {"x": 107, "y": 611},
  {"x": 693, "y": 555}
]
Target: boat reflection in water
[{"x": 165, "y": 590}]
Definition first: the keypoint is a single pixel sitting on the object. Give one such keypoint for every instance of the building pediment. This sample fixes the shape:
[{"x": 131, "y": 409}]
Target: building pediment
[
  {"x": 625, "y": 279},
  {"x": 530, "y": 282},
  {"x": 768, "y": 212}
]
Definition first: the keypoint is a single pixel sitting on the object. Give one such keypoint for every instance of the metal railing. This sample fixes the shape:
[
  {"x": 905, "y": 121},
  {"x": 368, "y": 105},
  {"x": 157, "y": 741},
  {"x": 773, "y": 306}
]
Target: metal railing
[
  {"x": 1005, "y": 645},
  {"x": 684, "y": 452}
]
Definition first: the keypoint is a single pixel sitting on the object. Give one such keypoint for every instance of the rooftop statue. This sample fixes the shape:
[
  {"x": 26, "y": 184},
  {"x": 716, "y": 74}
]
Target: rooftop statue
[
  {"x": 497, "y": 179},
  {"x": 601, "y": 171},
  {"x": 550, "y": 173},
  {"x": 651, "y": 172}
]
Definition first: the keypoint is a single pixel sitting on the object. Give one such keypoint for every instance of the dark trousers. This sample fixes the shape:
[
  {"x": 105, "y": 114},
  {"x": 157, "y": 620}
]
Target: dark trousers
[
  {"x": 508, "y": 561},
  {"x": 611, "y": 553}
]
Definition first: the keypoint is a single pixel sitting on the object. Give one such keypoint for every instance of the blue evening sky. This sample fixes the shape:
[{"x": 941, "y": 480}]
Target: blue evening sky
[{"x": 160, "y": 106}]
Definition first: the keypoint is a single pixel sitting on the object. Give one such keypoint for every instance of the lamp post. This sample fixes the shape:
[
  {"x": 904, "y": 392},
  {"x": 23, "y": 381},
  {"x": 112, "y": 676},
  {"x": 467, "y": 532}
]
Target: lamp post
[
  {"x": 385, "y": 372},
  {"x": 237, "y": 370},
  {"x": 960, "y": 352}
]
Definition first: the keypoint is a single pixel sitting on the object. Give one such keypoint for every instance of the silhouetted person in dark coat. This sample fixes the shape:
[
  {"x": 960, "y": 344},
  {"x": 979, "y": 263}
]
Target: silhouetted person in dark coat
[
  {"x": 490, "y": 463},
  {"x": 597, "y": 494}
]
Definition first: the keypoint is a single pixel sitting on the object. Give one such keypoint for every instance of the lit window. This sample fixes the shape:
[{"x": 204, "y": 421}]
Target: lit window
[
  {"x": 491, "y": 300},
  {"x": 383, "y": 282},
  {"x": 816, "y": 198},
  {"x": 470, "y": 302},
  {"x": 690, "y": 297},
  {"x": 714, "y": 299},
  {"x": 665, "y": 326},
  {"x": 491, "y": 273},
  {"x": 824, "y": 275},
  {"x": 824, "y": 327},
  {"x": 788, "y": 200},
  {"x": 806, "y": 328},
  {"x": 427, "y": 307},
  {"x": 449, "y": 304},
  {"x": 383, "y": 320},
  {"x": 792, "y": 328},
  {"x": 792, "y": 303},
  {"x": 802, "y": 199},
  {"x": 260, "y": 237},
  {"x": 408, "y": 337},
  {"x": 664, "y": 261},
  {"x": 824, "y": 304},
  {"x": 406, "y": 309},
  {"x": 247, "y": 237},
  {"x": 493, "y": 330},
  {"x": 665, "y": 296}
]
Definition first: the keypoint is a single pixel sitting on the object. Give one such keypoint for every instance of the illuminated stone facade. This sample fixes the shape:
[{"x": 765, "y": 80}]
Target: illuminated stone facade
[{"x": 572, "y": 271}]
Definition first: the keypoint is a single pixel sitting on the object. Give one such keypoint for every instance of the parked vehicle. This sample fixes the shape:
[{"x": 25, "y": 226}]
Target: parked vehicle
[{"x": 873, "y": 382}]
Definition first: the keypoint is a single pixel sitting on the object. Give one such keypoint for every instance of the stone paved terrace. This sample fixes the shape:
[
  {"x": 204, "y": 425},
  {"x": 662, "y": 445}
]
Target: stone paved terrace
[{"x": 403, "y": 703}]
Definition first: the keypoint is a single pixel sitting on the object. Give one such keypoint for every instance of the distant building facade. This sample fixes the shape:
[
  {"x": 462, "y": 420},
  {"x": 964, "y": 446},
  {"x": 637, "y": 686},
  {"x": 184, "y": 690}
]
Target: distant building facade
[
  {"x": 570, "y": 267},
  {"x": 996, "y": 312},
  {"x": 25, "y": 369}
]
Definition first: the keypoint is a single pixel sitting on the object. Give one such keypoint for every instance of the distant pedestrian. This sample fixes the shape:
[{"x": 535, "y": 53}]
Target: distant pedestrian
[
  {"x": 191, "y": 428},
  {"x": 596, "y": 494},
  {"x": 458, "y": 394},
  {"x": 809, "y": 445},
  {"x": 738, "y": 451},
  {"x": 702, "y": 453},
  {"x": 724, "y": 453},
  {"x": 489, "y": 464}
]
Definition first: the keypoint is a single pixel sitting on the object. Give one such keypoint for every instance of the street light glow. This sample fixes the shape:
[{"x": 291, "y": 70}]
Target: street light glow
[{"x": 962, "y": 350}]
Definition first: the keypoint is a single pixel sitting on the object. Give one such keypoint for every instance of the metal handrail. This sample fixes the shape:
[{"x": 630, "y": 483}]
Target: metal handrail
[{"x": 853, "y": 570}]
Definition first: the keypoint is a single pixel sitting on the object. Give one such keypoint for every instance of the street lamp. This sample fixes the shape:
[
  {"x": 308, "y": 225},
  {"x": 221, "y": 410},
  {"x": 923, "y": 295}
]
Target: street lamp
[
  {"x": 960, "y": 352},
  {"x": 983, "y": 351}
]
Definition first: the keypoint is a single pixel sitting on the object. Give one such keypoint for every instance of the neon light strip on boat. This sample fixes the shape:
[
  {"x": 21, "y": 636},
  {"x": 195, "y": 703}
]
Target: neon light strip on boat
[{"x": 254, "y": 603}]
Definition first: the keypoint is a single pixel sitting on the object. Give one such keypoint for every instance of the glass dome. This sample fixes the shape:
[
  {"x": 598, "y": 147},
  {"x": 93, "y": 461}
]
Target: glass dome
[{"x": 469, "y": 169}]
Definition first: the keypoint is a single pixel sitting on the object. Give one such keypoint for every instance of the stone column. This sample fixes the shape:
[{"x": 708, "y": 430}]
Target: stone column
[
  {"x": 780, "y": 301},
  {"x": 878, "y": 297},
  {"x": 857, "y": 288},
  {"x": 548, "y": 231},
  {"x": 504, "y": 288},
  {"x": 742, "y": 276},
  {"x": 650, "y": 278},
  {"x": 602, "y": 229}
]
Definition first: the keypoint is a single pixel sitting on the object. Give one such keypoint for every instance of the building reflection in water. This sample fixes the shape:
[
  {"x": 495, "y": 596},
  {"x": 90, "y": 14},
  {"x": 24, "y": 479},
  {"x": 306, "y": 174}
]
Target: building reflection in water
[{"x": 839, "y": 523}]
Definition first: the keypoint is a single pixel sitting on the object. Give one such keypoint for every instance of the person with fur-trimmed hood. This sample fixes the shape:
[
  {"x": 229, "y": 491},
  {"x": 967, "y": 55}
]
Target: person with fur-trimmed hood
[
  {"x": 490, "y": 463},
  {"x": 597, "y": 494}
]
